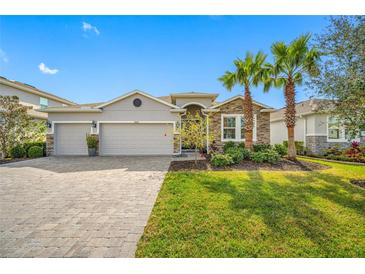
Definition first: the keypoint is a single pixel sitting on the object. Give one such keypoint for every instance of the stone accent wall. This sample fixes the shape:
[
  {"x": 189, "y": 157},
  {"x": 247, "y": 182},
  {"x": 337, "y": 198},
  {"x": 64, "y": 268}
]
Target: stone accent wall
[
  {"x": 316, "y": 145},
  {"x": 236, "y": 107},
  {"x": 263, "y": 128},
  {"x": 49, "y": 144},
  {"x": 177, "y": 143}
]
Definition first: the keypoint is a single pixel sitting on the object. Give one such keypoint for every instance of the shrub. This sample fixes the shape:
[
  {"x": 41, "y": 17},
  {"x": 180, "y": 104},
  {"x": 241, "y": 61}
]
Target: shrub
[
  {"x": 241, "y": 145},
  {"x": 221, "y": 160},
  {"x": 299, "y": 146},
  {"x": 27, "y": 146},
  {"x": 35, "y": 152},
  {"x": 280, "y": 149},
  {"x": 92, "y": 141},
  {"x": 228, "y": 145},
  {"x": 17, "y": 152},
  {"x": 236, "y": 154},
  {"x": 266, "y": 156},
  {"x": 261, "y": 147},
  {"x": 333, "y": 150}
]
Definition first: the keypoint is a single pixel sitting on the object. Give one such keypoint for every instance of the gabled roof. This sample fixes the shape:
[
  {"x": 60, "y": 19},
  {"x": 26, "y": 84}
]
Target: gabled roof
[
  {"x": 305, "y": 107},
  {"x": 132, "y": 93},
  {"x": 240, "y": 97},
  {"x": 33, "y": 90},
  {"x": 194, "y": 94}
]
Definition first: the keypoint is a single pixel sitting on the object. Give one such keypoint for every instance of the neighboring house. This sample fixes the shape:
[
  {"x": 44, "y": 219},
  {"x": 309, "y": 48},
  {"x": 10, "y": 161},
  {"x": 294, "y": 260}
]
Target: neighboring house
[
  {"x": 316, "y": 129},
  {"x": 140, "y": 124},
  {"x": 32, "y": 97}
]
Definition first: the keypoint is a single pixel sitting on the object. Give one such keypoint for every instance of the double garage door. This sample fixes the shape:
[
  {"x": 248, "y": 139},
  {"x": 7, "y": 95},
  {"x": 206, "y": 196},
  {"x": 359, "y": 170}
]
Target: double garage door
[{"x": 116, "y": 139}]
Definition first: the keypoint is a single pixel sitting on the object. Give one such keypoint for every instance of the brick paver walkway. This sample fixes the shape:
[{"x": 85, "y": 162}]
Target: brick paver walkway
[{"x": 77, "y": 206}]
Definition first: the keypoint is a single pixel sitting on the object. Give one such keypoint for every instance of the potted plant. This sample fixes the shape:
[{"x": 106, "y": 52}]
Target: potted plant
[{"x": 92, "y": 143}]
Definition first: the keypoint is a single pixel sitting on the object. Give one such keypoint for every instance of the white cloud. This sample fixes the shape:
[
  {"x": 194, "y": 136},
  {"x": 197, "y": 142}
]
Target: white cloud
[
  {"x": 86, "y": 27},
  {"x": 3, "y": 56},
  {"x": 46, "y": 70}
]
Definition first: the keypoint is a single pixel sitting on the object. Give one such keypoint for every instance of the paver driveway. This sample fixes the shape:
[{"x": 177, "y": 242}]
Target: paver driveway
[{"x": 77, "y": 206}]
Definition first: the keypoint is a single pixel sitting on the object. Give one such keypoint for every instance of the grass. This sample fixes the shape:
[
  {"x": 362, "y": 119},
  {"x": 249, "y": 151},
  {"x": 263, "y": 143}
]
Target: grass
[{"x": 258, "y": 214}]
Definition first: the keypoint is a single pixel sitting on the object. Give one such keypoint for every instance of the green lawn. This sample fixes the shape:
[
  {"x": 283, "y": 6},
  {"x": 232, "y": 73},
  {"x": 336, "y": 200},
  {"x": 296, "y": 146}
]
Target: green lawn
[{"x": 258, "y": 214}]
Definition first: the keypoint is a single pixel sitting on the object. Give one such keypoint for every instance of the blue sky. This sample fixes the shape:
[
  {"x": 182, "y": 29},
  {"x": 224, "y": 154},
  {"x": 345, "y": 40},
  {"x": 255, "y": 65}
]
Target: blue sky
[{"x": 96, "y": 58}]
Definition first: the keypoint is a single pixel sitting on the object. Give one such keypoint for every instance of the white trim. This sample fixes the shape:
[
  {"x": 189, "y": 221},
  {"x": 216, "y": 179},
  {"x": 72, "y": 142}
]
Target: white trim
[
  {"x": 193, "y": 103},
  {"x": 133, "y": 93},
  {"x": 238, "y": 128},
  {"x": 241, "y": 97},
  {"x": 178, "y": 110},
  {"x": 211, "y": 110}
]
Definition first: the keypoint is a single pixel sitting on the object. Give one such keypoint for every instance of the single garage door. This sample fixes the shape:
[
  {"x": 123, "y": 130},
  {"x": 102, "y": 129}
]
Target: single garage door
[
  {"x": 71, "y": 139},
  {"x": 136, "y": 139}
]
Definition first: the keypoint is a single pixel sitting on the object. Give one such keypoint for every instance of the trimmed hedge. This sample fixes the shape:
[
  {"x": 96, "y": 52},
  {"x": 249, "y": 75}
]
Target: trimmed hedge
[
  {"x": 17, "y": 152},
  {"x": 35, "y": 152},
  {"x": 266, "y": 156},
  {"x": 221, "y": 160},
  {"x": 27, "y": 146},
  {"x": 261, "y": 147}
]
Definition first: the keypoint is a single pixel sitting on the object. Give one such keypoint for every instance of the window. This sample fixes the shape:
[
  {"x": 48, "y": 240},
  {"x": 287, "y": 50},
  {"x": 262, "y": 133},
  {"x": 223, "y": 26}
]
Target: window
[
  {"x": 43, "y": 102},
  {"x": 336, "y": 131},
  {"x": 233, "y": 127},
  {"x": 229, "y": 128}
]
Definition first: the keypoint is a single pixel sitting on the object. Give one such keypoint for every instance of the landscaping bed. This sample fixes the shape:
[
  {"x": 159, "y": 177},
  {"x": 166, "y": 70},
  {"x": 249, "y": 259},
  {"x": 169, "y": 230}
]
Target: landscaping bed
[
  {"x": 10, "y": 160},
  {"x": 283, "y": 164}
]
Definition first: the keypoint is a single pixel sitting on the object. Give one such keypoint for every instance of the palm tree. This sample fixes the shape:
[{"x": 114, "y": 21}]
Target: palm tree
[
  {"x": 248, "y": 72},
  {"x": 291, "y": 63}
]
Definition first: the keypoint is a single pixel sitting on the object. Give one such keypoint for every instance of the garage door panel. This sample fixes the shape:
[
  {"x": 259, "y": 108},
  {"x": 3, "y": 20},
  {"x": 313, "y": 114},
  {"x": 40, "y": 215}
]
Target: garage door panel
[
  {"x": 71, "y": 139},
  {"x": 136, "y": 139}
]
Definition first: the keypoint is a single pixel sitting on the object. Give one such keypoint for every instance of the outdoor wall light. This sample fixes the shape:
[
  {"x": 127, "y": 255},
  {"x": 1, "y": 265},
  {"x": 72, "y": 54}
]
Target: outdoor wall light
[
  {"x": 93, "y": 124},
  {"x": 49, "y": 124}
]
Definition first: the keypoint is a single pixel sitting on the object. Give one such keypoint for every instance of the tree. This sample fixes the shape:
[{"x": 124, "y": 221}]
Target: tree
[
  {"x": 291, "y": 63},
  {"x": 14, "y": 122},
  {"x": 36, "y": 131},
  {"x": 194, "y": 132},
  {"x": 248, "y": 72},
  {"x": 342, "y": 76}
]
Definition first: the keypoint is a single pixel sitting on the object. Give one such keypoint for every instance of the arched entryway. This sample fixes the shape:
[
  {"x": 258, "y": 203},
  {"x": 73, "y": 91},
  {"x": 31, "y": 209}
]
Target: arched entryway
[{"x": 193, "y": 109}]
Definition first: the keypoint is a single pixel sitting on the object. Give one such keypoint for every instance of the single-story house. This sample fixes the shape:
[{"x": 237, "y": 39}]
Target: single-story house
[
  {"x": 316, "y": 129},
  {"x": 32, "y": 97},
  {"x": 138, "y": 123}
]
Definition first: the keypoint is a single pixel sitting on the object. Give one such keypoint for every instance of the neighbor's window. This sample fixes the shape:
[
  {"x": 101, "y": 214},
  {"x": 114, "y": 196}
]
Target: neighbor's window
[
  {"x": 43, "y": 102},
  {"x": 336, "y": 131},
  {"x": 229, "y": 128}
]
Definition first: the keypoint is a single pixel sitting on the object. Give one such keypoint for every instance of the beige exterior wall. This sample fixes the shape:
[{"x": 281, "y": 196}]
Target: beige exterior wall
[
  {"x": 207, "y": 102},
  {"x": 279, "y": 133},
  {"x": 28, "y": 99},
  {"x": 123, "y": 110}
]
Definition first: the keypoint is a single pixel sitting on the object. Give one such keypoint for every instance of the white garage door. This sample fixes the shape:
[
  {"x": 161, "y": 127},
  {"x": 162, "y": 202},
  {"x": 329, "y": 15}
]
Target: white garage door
[
  {"x": 136, "y": 139},
  {"x": 71, "y": 139}
]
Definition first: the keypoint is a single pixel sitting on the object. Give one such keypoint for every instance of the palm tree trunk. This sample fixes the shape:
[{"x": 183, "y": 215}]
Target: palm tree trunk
[
  {"x": 248, "y": 116},
  {"x": 290, "y": 117}
]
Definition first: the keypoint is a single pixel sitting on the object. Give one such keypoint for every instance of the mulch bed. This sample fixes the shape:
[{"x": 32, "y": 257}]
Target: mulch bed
[
  {"x": 7, "y": 161},
  {"x": 360, "y": 183},
  {"x": 283, "y": 164}
]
